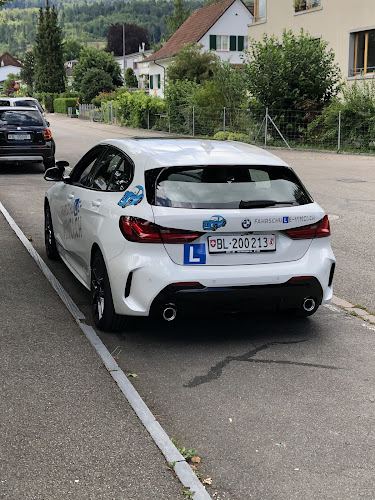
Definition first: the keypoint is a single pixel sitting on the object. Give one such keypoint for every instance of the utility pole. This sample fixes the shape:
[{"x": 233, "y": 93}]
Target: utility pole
[{"x": 123, "y": 50}]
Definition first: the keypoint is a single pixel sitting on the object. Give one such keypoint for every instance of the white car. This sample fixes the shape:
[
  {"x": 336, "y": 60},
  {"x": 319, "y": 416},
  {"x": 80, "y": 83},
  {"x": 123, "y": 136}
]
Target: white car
[
  {"x": 23, "y": 101},
  {"x": 167, "y": 226}
]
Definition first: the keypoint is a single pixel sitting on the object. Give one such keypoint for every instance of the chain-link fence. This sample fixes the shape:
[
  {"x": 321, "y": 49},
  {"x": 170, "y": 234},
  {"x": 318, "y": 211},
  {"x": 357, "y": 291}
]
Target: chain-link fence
[{"x": 262, "y": 127}]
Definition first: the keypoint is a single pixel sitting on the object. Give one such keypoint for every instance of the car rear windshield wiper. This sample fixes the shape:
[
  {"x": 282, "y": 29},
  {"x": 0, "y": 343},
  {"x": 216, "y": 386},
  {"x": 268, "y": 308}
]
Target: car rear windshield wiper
[{"x": 263, "y": 203}]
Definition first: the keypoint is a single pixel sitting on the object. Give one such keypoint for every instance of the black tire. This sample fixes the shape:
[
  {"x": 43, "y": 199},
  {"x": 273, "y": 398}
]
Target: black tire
[
  {"x": 103, "y": 310},
  {"x": 215, "y": 227},
  {"x": 49, "y": 164},
  {"x": 49, "y": 235}
]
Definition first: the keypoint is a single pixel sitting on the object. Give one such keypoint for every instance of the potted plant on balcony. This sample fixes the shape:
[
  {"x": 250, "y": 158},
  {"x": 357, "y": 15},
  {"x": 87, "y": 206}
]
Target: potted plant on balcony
[{"x": 299, "y": 5}]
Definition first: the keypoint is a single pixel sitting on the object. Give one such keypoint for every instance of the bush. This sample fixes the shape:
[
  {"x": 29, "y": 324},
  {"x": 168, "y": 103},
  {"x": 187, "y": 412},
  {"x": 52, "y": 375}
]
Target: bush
[
  {"x": 46, "y": 99},
  {"x": 221, "y": 136},
  {"x": 357, "y": 119},
  {"x": 135, "y": 108},
  {"x": 238, "y": 137},
  {"x": 62, "y": 104}
]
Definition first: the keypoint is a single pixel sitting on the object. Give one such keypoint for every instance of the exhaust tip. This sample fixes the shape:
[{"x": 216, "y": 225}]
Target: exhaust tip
[
  {"x": 308, "y": 304},
  {"x": 169, "y": 312}
]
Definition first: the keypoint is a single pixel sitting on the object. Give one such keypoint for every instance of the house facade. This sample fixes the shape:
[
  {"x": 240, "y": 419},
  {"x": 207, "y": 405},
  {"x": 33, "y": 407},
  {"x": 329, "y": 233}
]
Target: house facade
[
  {"x": 8, "y": 65},
  {"x": 134, "y": 61},
  {"x": 221, "y": 27},
  {"x": 349, "y": 29}
]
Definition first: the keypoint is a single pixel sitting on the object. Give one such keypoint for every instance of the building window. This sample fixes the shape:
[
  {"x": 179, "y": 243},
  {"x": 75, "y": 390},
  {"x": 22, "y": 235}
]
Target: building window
[
  {"x": 225, "y": 42},
  {"x": 259, "y": 10},
  {"x": 364, "y": 53},
  {"x": 159, "y": 81},
  {"x": 151, "y": 85},
  {"x": 300, "y": 5}
]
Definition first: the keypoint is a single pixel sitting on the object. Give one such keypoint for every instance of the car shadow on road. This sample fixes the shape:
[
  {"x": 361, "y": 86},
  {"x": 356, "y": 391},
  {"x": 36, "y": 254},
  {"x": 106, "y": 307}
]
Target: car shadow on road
[{"x": 10, "y": 168}]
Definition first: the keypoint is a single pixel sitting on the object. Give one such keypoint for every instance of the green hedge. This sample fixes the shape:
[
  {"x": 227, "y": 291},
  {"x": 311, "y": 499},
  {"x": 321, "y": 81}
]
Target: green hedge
[{"x": 61, "y": 104}]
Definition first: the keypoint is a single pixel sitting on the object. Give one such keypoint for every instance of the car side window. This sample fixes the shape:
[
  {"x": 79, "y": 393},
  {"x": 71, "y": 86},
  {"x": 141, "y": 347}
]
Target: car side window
[
  {"x": 82, "y": 171},
  {"x": 113, "y": 173},
  {"x": 122, "y": 176}
]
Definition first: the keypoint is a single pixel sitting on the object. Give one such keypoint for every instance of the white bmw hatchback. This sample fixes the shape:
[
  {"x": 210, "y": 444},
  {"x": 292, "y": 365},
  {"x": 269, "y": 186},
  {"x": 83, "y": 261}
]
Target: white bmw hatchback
[{"x": 167, "y": 226}]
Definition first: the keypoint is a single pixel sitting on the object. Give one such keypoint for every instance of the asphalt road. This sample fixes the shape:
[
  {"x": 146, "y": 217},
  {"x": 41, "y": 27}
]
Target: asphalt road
[{"x": 276, "y": 408}]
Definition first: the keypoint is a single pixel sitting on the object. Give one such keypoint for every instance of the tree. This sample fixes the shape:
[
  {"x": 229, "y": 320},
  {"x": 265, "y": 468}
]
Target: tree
[
  {"x": 192, "y": 64},
  {"x": 130, "y": 79},
  {"x": 178, "y": 18},
  {"x": 94, "y": 81},
  {"x": 298, "y": 73},
  {"x": 231, "y": 82},
  {"x": 134, "y": 37},
  {"x": 27, "y": 71},
  {"x": 49, "y": 73},
  {"x": 94, "y": 58},
  {"x": 10, "y": 85},
  {"x": 71, "y": 49}
]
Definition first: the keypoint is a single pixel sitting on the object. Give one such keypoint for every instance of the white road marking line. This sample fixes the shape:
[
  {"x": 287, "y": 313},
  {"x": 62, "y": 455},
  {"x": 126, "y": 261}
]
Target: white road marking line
[{"x": 160, "y": 437}]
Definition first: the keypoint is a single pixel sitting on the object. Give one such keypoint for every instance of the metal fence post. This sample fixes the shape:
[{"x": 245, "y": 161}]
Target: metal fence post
[
  {"x": 169, "y": 119},
  {"x": 224, "y": 121},
  {"x": 266, "y": 128},
  {"x": 339, "y": 134},
  {"x": 148, "y": 119},
  {"x": 193, "y": 122}
]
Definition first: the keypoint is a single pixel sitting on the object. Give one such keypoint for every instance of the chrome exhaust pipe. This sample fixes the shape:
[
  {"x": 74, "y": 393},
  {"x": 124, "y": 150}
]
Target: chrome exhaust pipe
[
  {"x": 308, "y": 304},
  {"x": 169, "y": 312}
]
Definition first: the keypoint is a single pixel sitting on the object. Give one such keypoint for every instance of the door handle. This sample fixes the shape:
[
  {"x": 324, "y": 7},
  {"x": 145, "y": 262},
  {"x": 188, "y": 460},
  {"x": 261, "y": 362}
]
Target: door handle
[
  {"x": 96, "y": 203},
  {"x": 71, "y": 196}
]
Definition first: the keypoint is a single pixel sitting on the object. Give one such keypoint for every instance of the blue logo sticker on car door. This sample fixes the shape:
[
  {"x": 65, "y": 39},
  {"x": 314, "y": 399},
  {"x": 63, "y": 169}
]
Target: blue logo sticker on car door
[{"x": 195, "y": 253}]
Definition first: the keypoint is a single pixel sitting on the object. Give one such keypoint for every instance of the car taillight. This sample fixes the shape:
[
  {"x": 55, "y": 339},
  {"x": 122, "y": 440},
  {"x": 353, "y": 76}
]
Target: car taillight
[
  {"x": 47, "y": 135},
  {"x": 319, "y": 229},
  {"x": 143, "y": 231}
]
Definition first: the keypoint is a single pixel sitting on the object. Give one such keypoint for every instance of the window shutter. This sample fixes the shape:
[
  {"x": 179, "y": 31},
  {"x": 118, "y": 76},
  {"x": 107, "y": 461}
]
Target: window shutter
[
  {"x": 158, "y": 81},
  {"x": 240, "y": 43},
  {"x": 232, "y": 43},
  {"x": 151, "y": 81},
  {"x": 212, "y": 42}
]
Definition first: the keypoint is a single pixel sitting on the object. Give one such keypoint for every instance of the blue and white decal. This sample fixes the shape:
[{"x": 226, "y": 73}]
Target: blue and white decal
[
  {"x": 285, "y": 220},
  {"x": 77, "y": 206},
  {"x": 214, "y": 223},
  {"x": 194, "y": 253},
  {"x": 132, "y": 197}
]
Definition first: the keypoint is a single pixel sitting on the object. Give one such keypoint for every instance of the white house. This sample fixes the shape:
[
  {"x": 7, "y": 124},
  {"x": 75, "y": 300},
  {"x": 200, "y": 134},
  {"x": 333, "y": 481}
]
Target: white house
[
  {"x": 134, "y": 61},
  {"x": 221, "y": 27},
  {"x": 9, "y": 64}
]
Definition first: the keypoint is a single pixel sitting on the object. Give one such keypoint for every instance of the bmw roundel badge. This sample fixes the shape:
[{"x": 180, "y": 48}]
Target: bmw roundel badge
[{"x": 246, "y": 223}]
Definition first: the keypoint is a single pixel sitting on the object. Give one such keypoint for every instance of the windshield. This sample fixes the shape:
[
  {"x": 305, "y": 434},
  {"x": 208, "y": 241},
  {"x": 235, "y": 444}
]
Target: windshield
[
  {"x": 22, "y": 118},
  {"x": 225, "y": 187}
]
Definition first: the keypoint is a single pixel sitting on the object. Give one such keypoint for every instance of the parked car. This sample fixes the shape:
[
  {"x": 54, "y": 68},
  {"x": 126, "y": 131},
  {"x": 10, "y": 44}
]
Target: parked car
[
  {"x": 153, "y": 258},
  {"x": 22, "y": 101},
  {"x": 25, "y": 136}
]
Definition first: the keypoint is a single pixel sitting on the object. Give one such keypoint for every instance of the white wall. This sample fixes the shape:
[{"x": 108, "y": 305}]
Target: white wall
[{"x": 234, "y": 21}]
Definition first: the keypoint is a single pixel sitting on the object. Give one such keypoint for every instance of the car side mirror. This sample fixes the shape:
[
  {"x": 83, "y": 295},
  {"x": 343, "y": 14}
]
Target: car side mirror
[{"x": 56, "y": 173}]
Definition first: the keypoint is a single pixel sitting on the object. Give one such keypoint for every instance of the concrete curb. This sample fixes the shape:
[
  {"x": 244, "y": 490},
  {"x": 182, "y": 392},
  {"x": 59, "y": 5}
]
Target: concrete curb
[
  {"x": 159, "y": 436},
  {"x": 352, "y": 309}
]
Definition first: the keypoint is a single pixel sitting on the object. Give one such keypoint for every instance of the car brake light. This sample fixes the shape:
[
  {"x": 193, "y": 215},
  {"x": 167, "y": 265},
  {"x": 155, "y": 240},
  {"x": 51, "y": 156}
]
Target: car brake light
[
  {"x": 47, "y": 135},
  {"x": 143, "y": 231},
  {"x": 319, "y": 229}
]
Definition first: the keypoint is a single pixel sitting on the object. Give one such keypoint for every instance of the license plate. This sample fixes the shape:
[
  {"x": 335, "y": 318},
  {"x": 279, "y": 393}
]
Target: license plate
[
  {"x": 248, "y": 243},
  {"x": 19, "y": 137}
]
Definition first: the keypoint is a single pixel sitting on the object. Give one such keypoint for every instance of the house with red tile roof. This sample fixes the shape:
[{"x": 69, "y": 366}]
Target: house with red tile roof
[
  {"x": 221, "y": 27},
  {"x": 9, "y": 64}
]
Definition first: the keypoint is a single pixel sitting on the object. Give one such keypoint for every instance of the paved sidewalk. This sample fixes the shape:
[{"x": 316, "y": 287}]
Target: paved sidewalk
[{"x": 66, "y": 430}]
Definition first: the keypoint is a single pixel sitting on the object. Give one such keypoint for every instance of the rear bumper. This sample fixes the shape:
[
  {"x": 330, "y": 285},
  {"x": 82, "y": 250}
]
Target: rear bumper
[
  {"x": 26, "y": 153},
  {"x": 210, "y": 301},
  {"x": 140, "y": 284}
]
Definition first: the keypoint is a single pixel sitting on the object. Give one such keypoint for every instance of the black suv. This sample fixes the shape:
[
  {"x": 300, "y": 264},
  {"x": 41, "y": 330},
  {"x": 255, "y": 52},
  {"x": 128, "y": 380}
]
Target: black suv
[{"x": 25, "y": 136}]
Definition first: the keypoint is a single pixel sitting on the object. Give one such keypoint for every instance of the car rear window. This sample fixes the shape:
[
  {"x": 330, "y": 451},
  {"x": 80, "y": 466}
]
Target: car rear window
[
  {"x": 4, "y": 103},
  {"x": 225, "y": 187},
  {"x": 28, "y": 102},
  {"x": 22, "y": 118}
]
